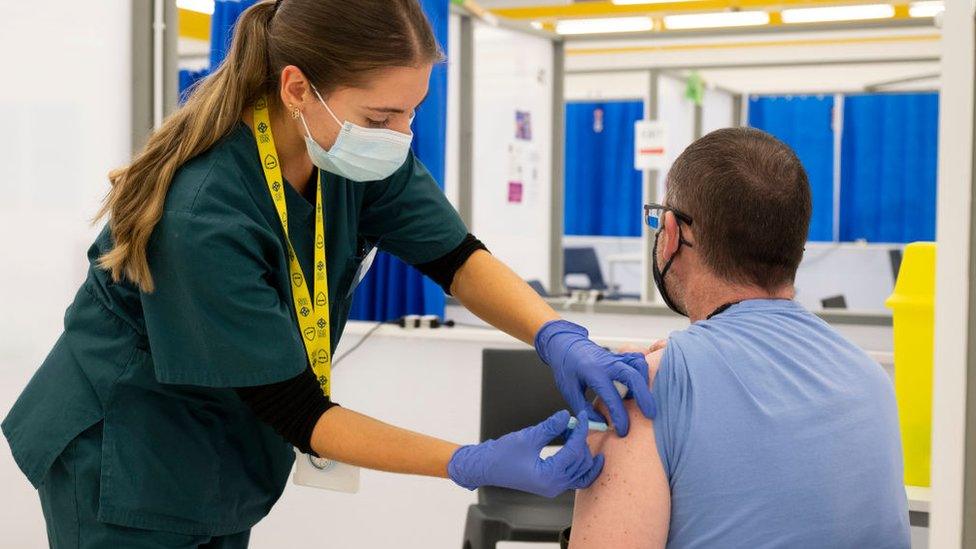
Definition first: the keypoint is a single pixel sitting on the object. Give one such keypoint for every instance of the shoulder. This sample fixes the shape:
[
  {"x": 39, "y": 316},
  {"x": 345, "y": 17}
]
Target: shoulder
[
  {"x": 653, "y": 364},
  {"x": 217, "y": 179}
]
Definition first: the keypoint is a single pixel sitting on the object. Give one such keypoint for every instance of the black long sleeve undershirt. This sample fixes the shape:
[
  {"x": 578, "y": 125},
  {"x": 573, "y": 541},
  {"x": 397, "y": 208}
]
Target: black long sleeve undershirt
[
  {"x": 293, "y": 407},
  {"x": 443, "y": 269}
]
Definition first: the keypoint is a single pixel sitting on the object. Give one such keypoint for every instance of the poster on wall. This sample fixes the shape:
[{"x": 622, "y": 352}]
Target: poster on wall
[
  {"x": 523, "y": 162},
  {"x": 523, "y": 125},
  {"x": 523, "y": 173},
  {"x": 650, "y": 138}
]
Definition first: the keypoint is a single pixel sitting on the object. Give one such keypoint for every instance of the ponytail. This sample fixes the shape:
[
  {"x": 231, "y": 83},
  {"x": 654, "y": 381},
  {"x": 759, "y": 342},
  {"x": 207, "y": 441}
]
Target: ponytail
[{"x": 135, "y": 202}]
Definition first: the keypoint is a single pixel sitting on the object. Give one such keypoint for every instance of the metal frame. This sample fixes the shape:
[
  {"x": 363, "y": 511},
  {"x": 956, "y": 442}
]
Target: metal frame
[
  {"x": 142, "y": 72},
  {"x": 466, "y": 121},
  {"x": 649, "y": 193},
  {"x": 954, "y": 383},
  {"x": 154, "y": 64},
  {"x": 557, "y": 192},
  {"x": 738, "y": 109}
]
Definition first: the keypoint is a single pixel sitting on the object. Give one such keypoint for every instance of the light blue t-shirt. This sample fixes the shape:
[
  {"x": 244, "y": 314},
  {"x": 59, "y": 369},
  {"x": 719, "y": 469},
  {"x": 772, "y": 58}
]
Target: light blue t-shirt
[{"x": 775, "y": 431}]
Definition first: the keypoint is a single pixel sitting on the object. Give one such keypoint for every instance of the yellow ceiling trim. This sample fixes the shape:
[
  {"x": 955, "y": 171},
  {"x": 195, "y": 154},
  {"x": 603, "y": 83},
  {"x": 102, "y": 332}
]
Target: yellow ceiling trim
[
  {"x": 754, "y": 44},
  {"x": 605, "y": 9},
  {"x": 193, "y": 24}
]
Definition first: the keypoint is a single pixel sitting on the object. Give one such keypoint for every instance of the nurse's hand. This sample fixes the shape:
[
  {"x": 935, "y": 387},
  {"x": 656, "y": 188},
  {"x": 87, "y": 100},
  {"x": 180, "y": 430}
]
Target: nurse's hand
[
  {"x": 578, "y": 363},
  {"x": 513, "y": 461}
]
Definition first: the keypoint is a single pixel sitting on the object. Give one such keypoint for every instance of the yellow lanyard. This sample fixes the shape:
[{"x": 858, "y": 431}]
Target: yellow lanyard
[{"x": 313, "y": 318}]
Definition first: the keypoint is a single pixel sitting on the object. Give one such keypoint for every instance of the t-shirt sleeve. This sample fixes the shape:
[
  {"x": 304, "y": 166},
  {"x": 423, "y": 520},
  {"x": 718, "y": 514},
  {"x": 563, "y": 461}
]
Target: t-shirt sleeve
[
  {"x": 670, "y": 391},
  {"x": 409, "y": 216},
  {"x": 214, "y": 318}
]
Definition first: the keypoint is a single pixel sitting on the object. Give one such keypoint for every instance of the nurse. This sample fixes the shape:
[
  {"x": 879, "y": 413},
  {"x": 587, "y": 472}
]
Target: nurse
[{"x": 198, "y": 351}]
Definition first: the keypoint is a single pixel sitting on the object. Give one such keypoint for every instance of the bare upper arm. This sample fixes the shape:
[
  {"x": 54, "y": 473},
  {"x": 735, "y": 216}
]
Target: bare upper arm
[{"x": 629, "y": 505}]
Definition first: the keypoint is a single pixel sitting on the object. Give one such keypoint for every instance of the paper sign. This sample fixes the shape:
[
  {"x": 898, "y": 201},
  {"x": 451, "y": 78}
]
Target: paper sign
[
  {"x": 514, "y": 192},
  {"x": 523, "y": 125},
  {"x": 650, "y": 137}
]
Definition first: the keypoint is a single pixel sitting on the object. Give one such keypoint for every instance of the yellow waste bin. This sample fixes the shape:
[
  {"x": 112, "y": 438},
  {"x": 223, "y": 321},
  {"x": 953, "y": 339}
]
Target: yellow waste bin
[{"x": 913, "y": 306}]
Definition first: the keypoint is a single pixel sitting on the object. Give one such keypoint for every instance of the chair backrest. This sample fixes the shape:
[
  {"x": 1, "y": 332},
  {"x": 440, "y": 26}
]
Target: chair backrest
[
  {"x": 517, "y": 390},
  {"x": 538, "y": 287},
  {"x": 583, "y": 261},
  {"x": 895, "y": 256},
  {"x": 834, "y": 302}
]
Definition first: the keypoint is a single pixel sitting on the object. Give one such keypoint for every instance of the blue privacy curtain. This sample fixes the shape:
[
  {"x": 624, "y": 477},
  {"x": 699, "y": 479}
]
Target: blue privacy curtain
[
  {"x": 888, "y": 167},
  {"x": 392, "y": 288},
  {"x": 603, "y": 190},
  {"x": 222, "y": 22},
  {"x": 805, "y": 123}
]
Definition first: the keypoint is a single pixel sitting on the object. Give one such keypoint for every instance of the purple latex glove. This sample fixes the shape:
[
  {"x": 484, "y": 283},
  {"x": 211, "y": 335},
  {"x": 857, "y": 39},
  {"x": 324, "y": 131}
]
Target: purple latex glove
[
  {"x": 513, "y": 461},
  {"x": 578, "y": 363}
]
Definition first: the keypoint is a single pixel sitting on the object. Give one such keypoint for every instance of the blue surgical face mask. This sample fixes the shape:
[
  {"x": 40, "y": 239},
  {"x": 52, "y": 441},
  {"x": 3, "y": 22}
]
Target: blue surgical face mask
[{"x": 359, "y": 154}]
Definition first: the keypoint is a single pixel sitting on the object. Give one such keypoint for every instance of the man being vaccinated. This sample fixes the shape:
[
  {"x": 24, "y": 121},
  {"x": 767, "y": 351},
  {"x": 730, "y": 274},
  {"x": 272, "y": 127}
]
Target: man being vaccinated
[{"x": 773, "y": 430}]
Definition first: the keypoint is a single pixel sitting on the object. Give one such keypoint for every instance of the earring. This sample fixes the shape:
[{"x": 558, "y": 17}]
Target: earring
[{"x": 295, "y": 113}]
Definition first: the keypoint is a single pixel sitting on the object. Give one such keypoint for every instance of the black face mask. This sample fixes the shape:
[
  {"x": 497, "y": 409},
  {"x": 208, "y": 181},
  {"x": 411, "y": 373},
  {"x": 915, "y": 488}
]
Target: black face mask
[{"x": 659, "y": 274}]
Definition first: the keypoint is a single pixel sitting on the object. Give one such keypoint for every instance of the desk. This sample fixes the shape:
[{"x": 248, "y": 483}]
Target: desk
[{"x": 919, "y": 499}]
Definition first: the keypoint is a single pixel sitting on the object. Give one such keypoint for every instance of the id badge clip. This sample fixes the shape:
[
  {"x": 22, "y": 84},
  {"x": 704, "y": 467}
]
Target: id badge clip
[{"x": 324, "y": 473}]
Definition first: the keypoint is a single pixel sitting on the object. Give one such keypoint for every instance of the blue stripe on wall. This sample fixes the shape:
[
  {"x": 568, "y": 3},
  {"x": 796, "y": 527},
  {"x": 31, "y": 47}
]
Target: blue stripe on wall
[
  {"x": 603, "y": 190},
  {"x": 888, "y": 167},
  {"x": 805, "y": 123}
]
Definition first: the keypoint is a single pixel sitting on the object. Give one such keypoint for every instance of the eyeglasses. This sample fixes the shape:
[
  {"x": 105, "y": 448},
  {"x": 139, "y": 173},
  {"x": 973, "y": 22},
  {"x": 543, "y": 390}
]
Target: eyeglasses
[{"x": 654, "y": 215}]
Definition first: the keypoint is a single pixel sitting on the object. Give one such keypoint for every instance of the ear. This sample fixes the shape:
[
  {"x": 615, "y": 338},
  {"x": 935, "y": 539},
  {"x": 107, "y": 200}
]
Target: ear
[
  {"x": 669, "y": 239},
  {"x": 295, "y": 88}
]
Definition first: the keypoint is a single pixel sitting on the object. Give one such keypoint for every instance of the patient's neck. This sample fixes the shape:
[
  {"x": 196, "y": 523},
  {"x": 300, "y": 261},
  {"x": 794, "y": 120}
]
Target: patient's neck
[{"x": 707, "y": 292}]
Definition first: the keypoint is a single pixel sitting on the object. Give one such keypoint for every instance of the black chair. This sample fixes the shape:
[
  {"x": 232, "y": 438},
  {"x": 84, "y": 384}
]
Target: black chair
[
  {"x": 538, "y": 287},
  {"x": 895, "y": 256},
  {"x": 583, "y": 261},
  {"x": 834, "y": 302},
  {"x": 517, "y": 390}
]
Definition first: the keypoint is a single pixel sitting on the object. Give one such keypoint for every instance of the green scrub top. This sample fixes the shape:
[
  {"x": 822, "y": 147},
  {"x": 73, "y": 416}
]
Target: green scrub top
[{"x": 180, "y": 451}]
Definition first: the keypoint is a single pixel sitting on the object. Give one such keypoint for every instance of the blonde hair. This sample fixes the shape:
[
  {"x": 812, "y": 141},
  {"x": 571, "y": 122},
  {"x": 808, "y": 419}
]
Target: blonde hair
[{"x": 334, "y": 42}]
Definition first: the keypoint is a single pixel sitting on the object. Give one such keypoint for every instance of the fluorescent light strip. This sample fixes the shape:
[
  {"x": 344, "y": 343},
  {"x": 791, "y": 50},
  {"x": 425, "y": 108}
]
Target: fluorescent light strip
[
  {"x": 838, "y": 13},
  {"x": 716, "y": 20},
  {"x": 926, "y": 9},
  {"x": 599, "y": 26},
  {"x": 201, "y": 6}
]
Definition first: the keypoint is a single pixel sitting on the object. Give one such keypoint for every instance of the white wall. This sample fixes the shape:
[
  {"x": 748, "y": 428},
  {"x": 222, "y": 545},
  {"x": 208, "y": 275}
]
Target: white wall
[
  {"x": 66, "y": 123},
  {"x": 513, "y": 72},
  {"x": 607, "y": 86},
  {"x": 678, "y": 113},
  {"x": 718, "y": 110}
]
